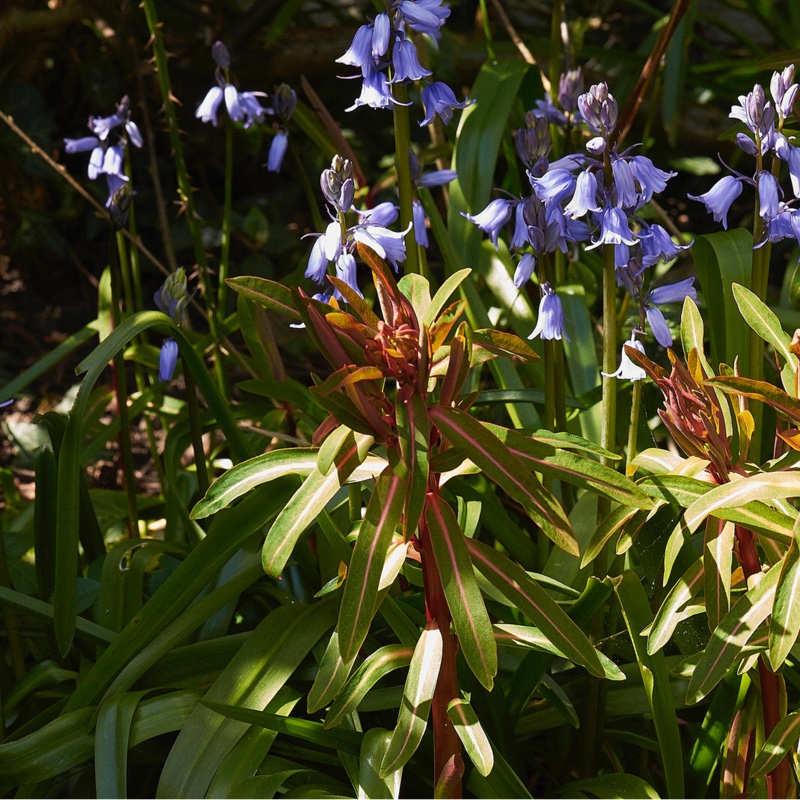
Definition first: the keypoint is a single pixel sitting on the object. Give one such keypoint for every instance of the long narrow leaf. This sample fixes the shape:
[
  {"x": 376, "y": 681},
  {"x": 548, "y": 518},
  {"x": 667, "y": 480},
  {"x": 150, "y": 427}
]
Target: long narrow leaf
[
  {"x": 536, "y": 604},
  {"x": 480, "y": 445},
  {"x": 363, "y": 577},
  {"x": 464, "y": 599}
]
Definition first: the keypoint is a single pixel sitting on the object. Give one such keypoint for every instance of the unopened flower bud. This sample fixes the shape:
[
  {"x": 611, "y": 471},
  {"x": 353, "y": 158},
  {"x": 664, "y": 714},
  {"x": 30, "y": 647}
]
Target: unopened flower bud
[
  {"x": 570, "y": 87},
  {"x": 221, "y": 56},
  {"x": 284, "y": 101}
]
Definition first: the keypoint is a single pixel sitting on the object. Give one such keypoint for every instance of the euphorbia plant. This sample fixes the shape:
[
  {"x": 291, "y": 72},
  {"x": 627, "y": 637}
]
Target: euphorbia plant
[{"x": 398, "y": 420}]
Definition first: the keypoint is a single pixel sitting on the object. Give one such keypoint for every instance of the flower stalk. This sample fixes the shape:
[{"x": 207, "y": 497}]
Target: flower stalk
[{"x": 405, "y": 184}]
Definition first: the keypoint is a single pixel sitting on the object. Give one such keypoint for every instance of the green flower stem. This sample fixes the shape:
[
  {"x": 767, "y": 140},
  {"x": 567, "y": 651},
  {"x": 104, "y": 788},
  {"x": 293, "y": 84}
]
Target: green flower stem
[
  {"x": 184, "y": 184},
  {"x": 225, "y": 249},
  {"x": 610, "y": 352},
  {"x": 308, "y": 191},
  {"x": 487, "y": 31},
  {"x": 196, "y": 429},
  {"x": 405, "y": 186},
  {"x": 556, "y": 47},
  {"x": 118, "y": 257},
  {"x": 549, "y": 384},
  {"x": 555, "y": 398},
  {"x": 633, "y": 428}
]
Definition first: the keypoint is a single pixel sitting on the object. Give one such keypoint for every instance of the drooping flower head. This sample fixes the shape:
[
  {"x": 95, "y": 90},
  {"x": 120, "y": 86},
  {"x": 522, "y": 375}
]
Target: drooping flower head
[{"x": 550, "y": 324}]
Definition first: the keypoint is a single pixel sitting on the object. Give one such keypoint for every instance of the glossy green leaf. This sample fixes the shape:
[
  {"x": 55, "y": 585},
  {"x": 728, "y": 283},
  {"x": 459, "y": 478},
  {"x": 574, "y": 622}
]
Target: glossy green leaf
[
  {"x": 762, "y": 486},
  {"x": 314, "y": 732},
  {"x": 783, "y": 403},
  {"x": 464, "y": 599},
  {"x": 112, "y": 738},
  {"x": 332, "y": 673},
  {"x": 717, "y": 560},
  {"x": 254, "y": 676},
  {"x": 375, "y": 666},
  {"x": 655, "y": 678},
  {"x": 414, "y": 429},
  {"x": 423, "y": 673},
  {"x": 480, "y": 445},
  {"x": 442, "y": 296},
  {"x": 755, "y": 515},
  {"x": 363, "y": 577},
  {"x": 269, "y": 294},
  {"x": 732, "y": 635},
  {"x": 370, "y": 783},
  {"x": 228, "y": 531},
  {"x": 472, "y": 735},
  {"x": 784, "y": 623},
  {"x": 764, "y": 322},
  {"x": 536, "y": 604},
  {"x": 612, "y": 786},
  {"x": 780, "y": 743},
  {"x": 669, "y": 615},
  {"x": 722, "y": 259}
]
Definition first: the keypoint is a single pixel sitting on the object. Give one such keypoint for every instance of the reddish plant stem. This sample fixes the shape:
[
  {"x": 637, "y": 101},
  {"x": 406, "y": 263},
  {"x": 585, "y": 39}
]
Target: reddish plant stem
[
  {"x": 446, "y": 744},
  {"x": 779, "y": 779}
]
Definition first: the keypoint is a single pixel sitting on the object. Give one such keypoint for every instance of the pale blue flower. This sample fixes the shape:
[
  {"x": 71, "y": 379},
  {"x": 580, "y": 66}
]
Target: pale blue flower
[
  {"x": 550, "y": 324},
  {"x": 359, "y": 54},
  {"x": 524, "y": 270},
  {"x": 492, "y": 218},
  {"x": 208, "y": 108},
  {"x": 767, "y": 195},
  {"x": 614, "y": 228},
  {"x": 375, "y": 92},
  {"x": 438, "y": 98},
  {"x": 167, "y": 359},
  {"x": 346, "y": 271},
  {"x": 651, "y": 179},
  {"x": 424, "y": 16},
  {"x": 671, "y": 293},
  {"x": 405, "y": 62},
  {"x": 585, "y": 197},
  {"x": 420, "y": 231},
  {"x": 277, "y": 150},
  {"x": 719, "y": 198}
]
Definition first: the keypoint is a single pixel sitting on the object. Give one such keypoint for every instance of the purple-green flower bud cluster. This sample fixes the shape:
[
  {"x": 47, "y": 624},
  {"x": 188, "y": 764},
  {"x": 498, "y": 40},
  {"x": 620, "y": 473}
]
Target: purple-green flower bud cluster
[
  {"x": 337, "y": 244},
  {"x": 172, "y": 299}
]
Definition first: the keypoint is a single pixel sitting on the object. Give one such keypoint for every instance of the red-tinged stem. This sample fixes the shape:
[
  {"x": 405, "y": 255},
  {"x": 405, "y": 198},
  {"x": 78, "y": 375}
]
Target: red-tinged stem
[
  {"x": 779, "y": 779},
  {"x": 446, "y": 744}
]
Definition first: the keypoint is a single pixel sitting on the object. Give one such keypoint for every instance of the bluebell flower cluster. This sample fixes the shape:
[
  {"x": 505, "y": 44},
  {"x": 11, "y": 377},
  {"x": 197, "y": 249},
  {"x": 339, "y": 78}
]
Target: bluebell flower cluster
[
  {"x": 242, "y": 107},
  {"x": 338, "y": 242},
  {"x": 385, "y": 54},
  {"x": 594, "y": 198},
  {"x": 763, "y": 122},
  {"x": 108, "y": 158},
  {"x": 246, "y": 107},
  {"x": 172, "y": 299}
]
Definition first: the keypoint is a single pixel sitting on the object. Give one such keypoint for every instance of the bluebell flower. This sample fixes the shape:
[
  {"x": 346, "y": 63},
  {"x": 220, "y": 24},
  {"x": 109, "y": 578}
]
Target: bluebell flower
[
  {"x": 207, "y": 110},
  {"x": 624, "y": 184},
  {"x": 671, "y": 293},
  {"x": 167, "y": 359},
  {"x": 657, "y": 245},
  {"x": 599, "y": 109},
  {"x": 102, "y": 126},
  {"x": 375, "y": 92},
  {"x": 389, "y": 245},
  {"x": 650, "y": 178},
  {"x": 337, "y": 184},
  {"x": 277, "y": 150},
  {"x": 384, "y": 214},
  {"x": 524, "y": 270},
  {"x": 381, "y": 32},
  {"x": 359, "y": 54},
  {"x": 719, "y": 198},
  {"x": 585, "y": 197},
  {"x": 492, "y": 218},
  {"x": 346, "y": 271},
  {"x": 555, "y": 185},
  {"x": 405, "y": 62},
  {"x": 424, "y": 16},
  {"x": 767, "y": 195},
  {"x": 437, "y": 177},
  {"x": 757, "y": 113},
  {"x": 533, "y": 143},
  {"x": 420, "y": 230},
  {"x": 438, "y": 98},
  {"x": 784, "y": 92},
  {"x": 550, "y": 324},
  {"x": 614, "y": 228},
  {"x": 628, "y": 371}
]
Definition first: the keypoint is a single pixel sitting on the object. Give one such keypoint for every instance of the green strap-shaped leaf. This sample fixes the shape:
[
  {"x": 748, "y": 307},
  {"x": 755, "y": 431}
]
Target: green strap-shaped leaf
[
  {"x": 366, "y": 564},
  {"x": 257, "y": 672},
  {"x": 340, "y": 739},
  {"x": 423, "y": 673},
  {"x": 655, "y": 678},
  {"x": 785, "y": 621},
  {"x": 718, "y": 553},
  {"x": 782, "y": 402},
  {"x": 668, "y": 616},
  {"x": 442, "y": 296},
  {"x": 464, "y": 598},
  {"x": 764, "y": 322},
  {"x": 779, "y": 744},
  {"x": 722, "y": 259},
  {"x": 612, "y": 786},
  {"x": 375, "y": 666},
  {"x": 472, "y": 735},
  {"x": 536, "y": 604},
  {"x": 112, "y": 736},
  {"x": 331, "y": 676},
  {"x": 481, "y": 446},
  {"x": 732, "y": 635}
]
